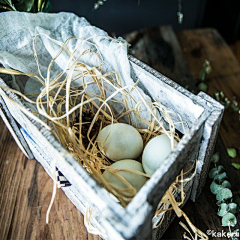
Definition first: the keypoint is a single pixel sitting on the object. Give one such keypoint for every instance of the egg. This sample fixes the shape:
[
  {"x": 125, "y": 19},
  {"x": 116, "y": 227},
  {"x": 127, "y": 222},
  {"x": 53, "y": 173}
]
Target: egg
[
  {"x": 120, "y": 141},
  {"x": 155, "y": 152},
  {"x": 32, "y": 87},
  {"x": 136, "y": 180}
]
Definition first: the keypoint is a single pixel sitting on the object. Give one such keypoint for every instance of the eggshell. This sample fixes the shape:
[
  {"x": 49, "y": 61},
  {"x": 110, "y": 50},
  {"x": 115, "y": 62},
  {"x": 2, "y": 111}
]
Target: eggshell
[
  {"x": 136, "y": 180},
  {"x": 120, "y": 141},
  {"x": 155, "y": 152},
  {"x": 32, "y": 87}
]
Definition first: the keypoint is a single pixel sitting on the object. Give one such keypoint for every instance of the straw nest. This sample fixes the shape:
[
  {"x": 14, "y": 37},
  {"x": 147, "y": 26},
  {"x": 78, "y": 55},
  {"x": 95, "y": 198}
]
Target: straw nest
[{"x": 76, "y": 116}]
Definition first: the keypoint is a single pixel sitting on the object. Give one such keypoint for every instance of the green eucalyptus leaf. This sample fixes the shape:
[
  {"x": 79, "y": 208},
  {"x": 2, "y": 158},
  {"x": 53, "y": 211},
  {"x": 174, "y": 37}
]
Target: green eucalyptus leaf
[
  {"x": 208, "y": 69},
  {"x": 236, "y": 165},
  {"x": 226, "y": 184},
  {"x": 220, "y": 168},
  {"x": 232, "y": 153},
  {"x": 235, "y": 231},
  {"x": 223, "y": 209},
  {"x": 203, "y": 87},
  {"x": 232, "y": 208},
  {"x": 235, "y": 106},
  {"x": 213, "y": 172},
  {"x": 224, "y": 194},
  {"x": 214, "y": 187},
  {"x": 229, "y": 220},
  {"x": 235, "y": 234},
  {"x": 96, "y": 6},
  {"x": 202, "y": 74},
  {"x": 216, "y": 94},
  {"x": 219, "y": 177},
  {"x": 215, "y": 157}
]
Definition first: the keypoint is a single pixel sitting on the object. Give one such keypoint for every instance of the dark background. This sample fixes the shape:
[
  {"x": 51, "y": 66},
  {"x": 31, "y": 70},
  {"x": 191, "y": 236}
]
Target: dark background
[{"x": 124, "y": 16}]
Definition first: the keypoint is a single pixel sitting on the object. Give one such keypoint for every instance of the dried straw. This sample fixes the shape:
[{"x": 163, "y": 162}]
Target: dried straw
[
  {"x": 90, "y": 228},
  {"x": 60, "y": 102},
  {"x": 176, "y": 188}
]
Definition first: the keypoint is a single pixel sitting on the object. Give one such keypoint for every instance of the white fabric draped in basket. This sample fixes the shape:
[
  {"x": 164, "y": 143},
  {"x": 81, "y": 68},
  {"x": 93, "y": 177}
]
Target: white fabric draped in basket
[{"x": 16, "y": 48}]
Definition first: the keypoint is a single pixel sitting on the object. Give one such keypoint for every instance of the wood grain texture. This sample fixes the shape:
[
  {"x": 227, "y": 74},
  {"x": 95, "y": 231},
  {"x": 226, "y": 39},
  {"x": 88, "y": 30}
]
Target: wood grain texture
[
  {"x": 160, "y": 49},
  {"x": 207, "y": 44},
  {"x": 25, "y": 193}
]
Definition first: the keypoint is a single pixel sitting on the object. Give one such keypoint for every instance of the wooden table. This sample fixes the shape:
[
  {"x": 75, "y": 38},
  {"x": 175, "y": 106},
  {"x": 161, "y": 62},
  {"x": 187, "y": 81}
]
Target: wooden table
[{"x": 25, "y": 189}]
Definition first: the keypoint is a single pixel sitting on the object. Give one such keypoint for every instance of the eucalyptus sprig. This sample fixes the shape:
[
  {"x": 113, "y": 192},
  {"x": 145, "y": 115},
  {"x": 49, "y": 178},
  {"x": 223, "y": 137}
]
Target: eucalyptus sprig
[
  {"x": 98, "y": 4},
  {"x": 202, "y": 85},
  {"x": 205, "y": 70},
  {"x": 235, "y": 106},
  {"x": 26, "y": 5},
  {"x": 221, "y": 187}
]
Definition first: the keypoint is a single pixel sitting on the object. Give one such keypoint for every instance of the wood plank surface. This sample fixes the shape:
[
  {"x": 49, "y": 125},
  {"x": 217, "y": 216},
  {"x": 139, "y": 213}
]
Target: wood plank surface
[
  {"x": 207, "y": 44},
  {"x": 160, "y": 49},
  {"x": 25, "y": 193},
  {"x": 25, "y": 189}
]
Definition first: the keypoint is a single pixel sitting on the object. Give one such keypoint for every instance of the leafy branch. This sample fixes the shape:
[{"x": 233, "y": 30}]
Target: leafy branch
[
  {"x": 228, "y": 204},
  {"x": 202, "y": 76},
  {"x": 220, "y": 97},
  {"x": 98, "y": 4}
]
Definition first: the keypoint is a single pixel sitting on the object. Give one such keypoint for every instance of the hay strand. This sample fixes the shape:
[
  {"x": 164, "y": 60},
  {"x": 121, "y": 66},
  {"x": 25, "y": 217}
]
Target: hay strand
[{"x": 66, "y": 96}]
